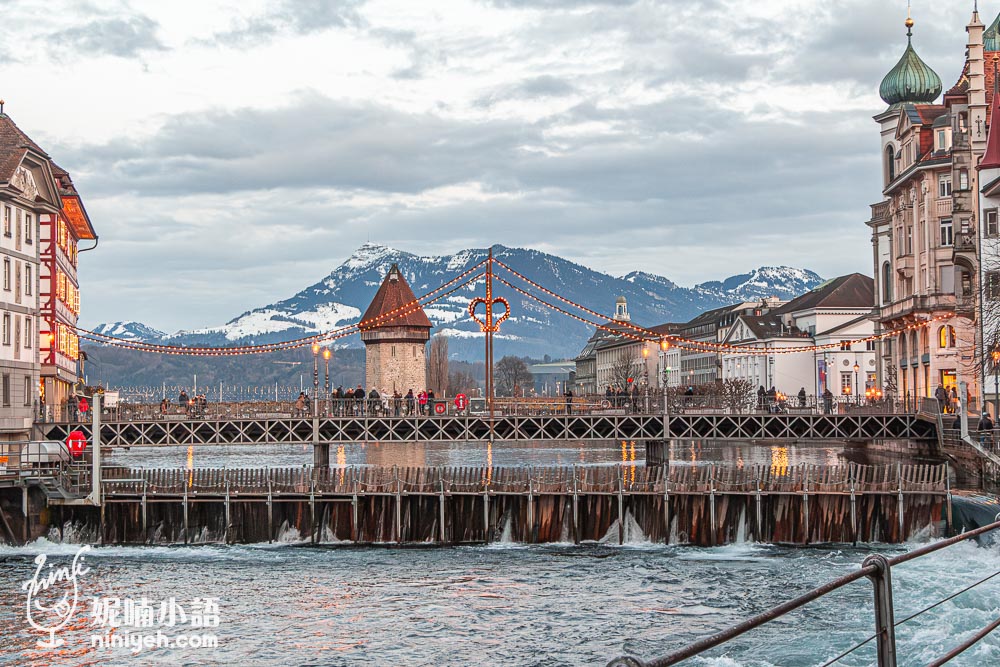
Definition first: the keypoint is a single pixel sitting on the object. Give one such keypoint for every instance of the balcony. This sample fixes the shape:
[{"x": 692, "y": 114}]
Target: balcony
[
  {"x": 965, "y": 242},
  {"x": 880, "y": 212},
  {"x": 918, "y": 304},
  {"x": 904, "y": 265},
  {"x": 943, "y": 207}
]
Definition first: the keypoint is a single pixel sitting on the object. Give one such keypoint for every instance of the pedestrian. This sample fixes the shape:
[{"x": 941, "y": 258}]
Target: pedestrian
[
  {"x": 955, "y": 405},
  {"x": 942, "y": 398},
  {"x": 985, "y": 429},
  {"x": 802, "y": 397},
  {"x": 410, "y": 400},
  {"x": 569, "y": 401},
  {"x": 182, "y": 401},
  {"x": 300, "y": 404},
  {"x": 397, "y": 403},
  {"x": 761, "y": 393},
  {"x": 374, "y": 402},
  {"x": 74, "y": 406},
  {"x": 772, "y": 399},
  {"x": 827, "y": 401},
  {"x": 422, "y": 401}
]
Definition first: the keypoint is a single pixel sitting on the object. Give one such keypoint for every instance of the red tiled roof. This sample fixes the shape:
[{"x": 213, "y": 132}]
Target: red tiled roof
[
  {"x": 13, "y": 145},
  {"x": 394, "y": 293},
  {"x": 991, "y": 159}
]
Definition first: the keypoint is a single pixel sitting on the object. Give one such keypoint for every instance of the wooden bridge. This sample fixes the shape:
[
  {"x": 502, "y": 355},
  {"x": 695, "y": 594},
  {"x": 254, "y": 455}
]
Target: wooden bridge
[
  {"x": 595, "y": 426},
  {"x": 703, "y": 505}
]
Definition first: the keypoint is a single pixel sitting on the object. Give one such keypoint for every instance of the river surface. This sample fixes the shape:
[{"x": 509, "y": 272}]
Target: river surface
[
  {"x": 500, "y": 604},
  {"x": 504, "y": 604}
]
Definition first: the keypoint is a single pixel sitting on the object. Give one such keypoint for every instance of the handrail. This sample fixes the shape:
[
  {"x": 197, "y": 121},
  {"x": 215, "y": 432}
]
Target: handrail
[{"x": 869, "y": 570}]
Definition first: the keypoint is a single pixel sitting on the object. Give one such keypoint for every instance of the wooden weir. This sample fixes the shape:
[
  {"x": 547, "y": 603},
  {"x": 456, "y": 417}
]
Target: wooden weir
[{"x": 701, "y": 505}]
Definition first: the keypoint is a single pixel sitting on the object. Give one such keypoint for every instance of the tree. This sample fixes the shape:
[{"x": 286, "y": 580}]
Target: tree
[
  {"x": 511, "y": 376},
  {"x": 623, "y": 368},
  {"x": 437, "y": 366},
  {"x": 461, "y": 382}
]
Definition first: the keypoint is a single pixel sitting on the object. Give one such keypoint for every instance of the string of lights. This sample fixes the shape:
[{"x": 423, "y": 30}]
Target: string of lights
[
  {"x": 645, "y": 334},
  {"x": 326, "y": 337}
]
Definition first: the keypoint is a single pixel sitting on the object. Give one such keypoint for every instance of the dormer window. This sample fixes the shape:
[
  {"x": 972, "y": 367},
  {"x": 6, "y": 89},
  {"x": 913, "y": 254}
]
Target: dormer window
[
  {"x": 941, "y": 139},
  {"x": 963, "y": 179}
]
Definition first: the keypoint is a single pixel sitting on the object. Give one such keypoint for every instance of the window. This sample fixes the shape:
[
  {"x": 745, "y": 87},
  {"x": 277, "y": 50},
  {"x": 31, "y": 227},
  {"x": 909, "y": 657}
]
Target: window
[
  {"x": 890, "y": 163},
  {"x": 845, "y": 384},
  {"x": 870, "y": 345},
  {"x": 941, "y": 139},
  {"x": 28, "y": 322},
  {"x": 845, "y": 346},
  {"x": 909, "y": 239},
  {"x": 990, "y": 217},
  {"x": 28, "y": 279},
  {"x": 6, "y": 328},
  {"x": 6, "y": 221},
  {"x": 29, "y": 221},
  {"x": 944, "y": 185},
  {"x": 27, "y": 390},
  {"x": 6, "y": 274},
  {"x": 886, "y": 282},
  {"x": 993, "y": 285},
  {"x": 946, "y": 337},
  {"x": 6, "y": 390},
  {"x": 963, "y": 179},
  {"x": 947, "y": 232}
]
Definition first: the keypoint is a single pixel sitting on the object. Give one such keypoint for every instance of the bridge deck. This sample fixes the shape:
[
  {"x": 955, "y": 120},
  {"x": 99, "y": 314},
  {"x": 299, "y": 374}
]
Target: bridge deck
[{"x": 590, "y": 427}]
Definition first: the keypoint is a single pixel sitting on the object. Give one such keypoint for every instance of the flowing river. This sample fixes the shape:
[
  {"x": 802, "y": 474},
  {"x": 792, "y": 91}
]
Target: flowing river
[{"x": 503, "y": 604}]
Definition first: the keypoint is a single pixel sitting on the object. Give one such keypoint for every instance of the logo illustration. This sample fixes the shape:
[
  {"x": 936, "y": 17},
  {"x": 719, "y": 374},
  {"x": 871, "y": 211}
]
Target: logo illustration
[{"x": 53, "y": 595}]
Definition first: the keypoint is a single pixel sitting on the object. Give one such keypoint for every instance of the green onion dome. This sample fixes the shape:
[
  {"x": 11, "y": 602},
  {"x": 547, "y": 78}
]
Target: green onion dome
[
  {"x": 991, "y": 38},
  {"x": 911, "y": 80}
]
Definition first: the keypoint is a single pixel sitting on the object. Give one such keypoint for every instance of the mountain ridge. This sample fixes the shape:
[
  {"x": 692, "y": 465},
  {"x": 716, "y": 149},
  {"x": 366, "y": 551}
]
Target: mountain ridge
[{"x": 339, "y": 298}]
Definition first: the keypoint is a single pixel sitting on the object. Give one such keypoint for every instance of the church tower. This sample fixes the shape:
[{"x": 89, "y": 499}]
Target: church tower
[{"x": 395, "y": 331}]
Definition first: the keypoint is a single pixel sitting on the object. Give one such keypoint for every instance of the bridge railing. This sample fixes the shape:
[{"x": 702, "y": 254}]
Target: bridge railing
[
  {"x": 559, "y": 480},
  {"x": 877, "y": 569},
  {"x": 651, "y": 403}
]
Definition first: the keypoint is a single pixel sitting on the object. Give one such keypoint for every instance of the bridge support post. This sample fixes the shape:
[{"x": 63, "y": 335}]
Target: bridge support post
[
  {"x": 399, "y": 505},
  {"x": 321, "y": 455},
  {"x": 854, "y": 511},
  {"x": 145, "y": 525},
  {"x": 759, "y": 533},
  {"x": 185, "y": 515},
  {"x": 899, "y": 500},
  {"x": 666, "y": 510},
  {"x": 443, "y": 530},
  {"x": 805, "y": 509},
  {"x": 270, "y": 511},
  {"x": 354, "y": 505},
  {"x": 885, "y": 632},
  {"x": 576, "y": 507},
  {"x": 225, "y": 533},
  {"x": 621, "y": 506},
  {"x": 530, "y": 536},
  {"x": 486, "y": 513},
  {"x": 711, "y": 503},
  {"x": 312, "y": 512},
  {"x": 947, "y": 489}
]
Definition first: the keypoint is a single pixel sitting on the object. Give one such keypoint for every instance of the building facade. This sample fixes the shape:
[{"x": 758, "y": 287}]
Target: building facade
[
  {"x": 925, "y": 231},
  {"x": 28, "y": 192},
  {"x": 395, "y": 331},
  {"x": 59, "y": 293},
  {"x": 835, "y": 313}
]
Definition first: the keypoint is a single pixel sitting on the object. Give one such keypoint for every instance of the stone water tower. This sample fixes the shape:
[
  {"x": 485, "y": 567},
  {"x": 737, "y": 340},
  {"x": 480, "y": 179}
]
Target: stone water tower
[{"x": 396, "y": 343}]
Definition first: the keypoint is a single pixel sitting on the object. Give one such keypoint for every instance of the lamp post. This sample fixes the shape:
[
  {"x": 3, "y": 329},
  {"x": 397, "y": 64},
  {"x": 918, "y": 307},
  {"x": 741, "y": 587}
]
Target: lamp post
[
  {"x": 326, "y": 382},
  {"x": 315, "y": 351},
  {"x": 857, "y": 392},
  {"x": 645, "y": 377}
]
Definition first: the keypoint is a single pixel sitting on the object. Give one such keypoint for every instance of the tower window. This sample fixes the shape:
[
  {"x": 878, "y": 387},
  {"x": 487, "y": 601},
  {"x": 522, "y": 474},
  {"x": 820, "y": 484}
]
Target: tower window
[{"x": 944, "y": 185}]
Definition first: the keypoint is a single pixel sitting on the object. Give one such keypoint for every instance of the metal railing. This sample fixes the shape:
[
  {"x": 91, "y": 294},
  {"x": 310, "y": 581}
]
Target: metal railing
[
  {"x": 877, "y": 569},
  {"x": 649, "y": 403}
]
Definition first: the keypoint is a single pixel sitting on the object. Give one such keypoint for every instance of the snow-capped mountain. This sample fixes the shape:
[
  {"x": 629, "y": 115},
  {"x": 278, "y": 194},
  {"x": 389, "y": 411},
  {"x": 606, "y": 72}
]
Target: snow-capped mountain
[
  {"x": 130, "y": 331},
  {"x": 341, "y": 297}
]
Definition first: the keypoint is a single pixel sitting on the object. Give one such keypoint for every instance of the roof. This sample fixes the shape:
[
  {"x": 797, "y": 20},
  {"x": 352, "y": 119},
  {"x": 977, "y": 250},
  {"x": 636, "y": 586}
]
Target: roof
[
  {"x": 991, "y": 159},
  {"x": 850, "y": 291},
  {"x": 392, "y": 295},
  {"x": 911, "y": 80},
  {"x": 73, "y": 209},
  {"x": 844, "y": 325},
  {"x": 13, "y": 145}
]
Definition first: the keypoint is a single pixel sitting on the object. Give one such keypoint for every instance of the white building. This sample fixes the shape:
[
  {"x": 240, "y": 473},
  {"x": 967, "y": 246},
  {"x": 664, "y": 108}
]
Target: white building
[{"x": 836, "y": 312}]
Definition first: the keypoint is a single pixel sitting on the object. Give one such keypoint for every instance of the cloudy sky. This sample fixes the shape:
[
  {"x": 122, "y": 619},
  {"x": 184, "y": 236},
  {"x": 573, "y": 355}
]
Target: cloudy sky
[{"x": 232, "y": 152}]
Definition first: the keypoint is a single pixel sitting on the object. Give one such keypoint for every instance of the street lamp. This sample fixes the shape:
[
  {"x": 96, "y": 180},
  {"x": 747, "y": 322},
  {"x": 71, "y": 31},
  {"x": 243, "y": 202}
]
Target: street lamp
[
  {"x": 326, "y": 382},
  {"x": 315, "y": 350},
  {"x": 857, "y": 392}
]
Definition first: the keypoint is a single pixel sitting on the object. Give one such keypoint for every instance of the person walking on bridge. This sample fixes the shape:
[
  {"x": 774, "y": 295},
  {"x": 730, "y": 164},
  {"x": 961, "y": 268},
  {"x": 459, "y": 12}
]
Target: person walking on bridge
[{"x": 942, "y": 398}]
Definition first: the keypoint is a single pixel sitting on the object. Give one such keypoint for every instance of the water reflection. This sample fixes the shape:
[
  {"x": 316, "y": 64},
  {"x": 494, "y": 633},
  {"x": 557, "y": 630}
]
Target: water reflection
[{"x": 625, "y": 452}]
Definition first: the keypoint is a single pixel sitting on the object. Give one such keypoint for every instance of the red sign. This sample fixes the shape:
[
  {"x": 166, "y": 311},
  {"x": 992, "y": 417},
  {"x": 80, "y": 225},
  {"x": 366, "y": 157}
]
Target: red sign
[
  {"x": 76, "y": 441},
  {"x": 461, "y": 400},
  {"x": 440, "y": 408},
  {"x": 83, "y": 405},
  {"x": 630, "y": 380}
]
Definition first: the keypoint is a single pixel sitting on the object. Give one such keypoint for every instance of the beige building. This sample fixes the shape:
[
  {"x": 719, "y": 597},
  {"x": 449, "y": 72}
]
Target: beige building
[{"x": 395, "y": 331}]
